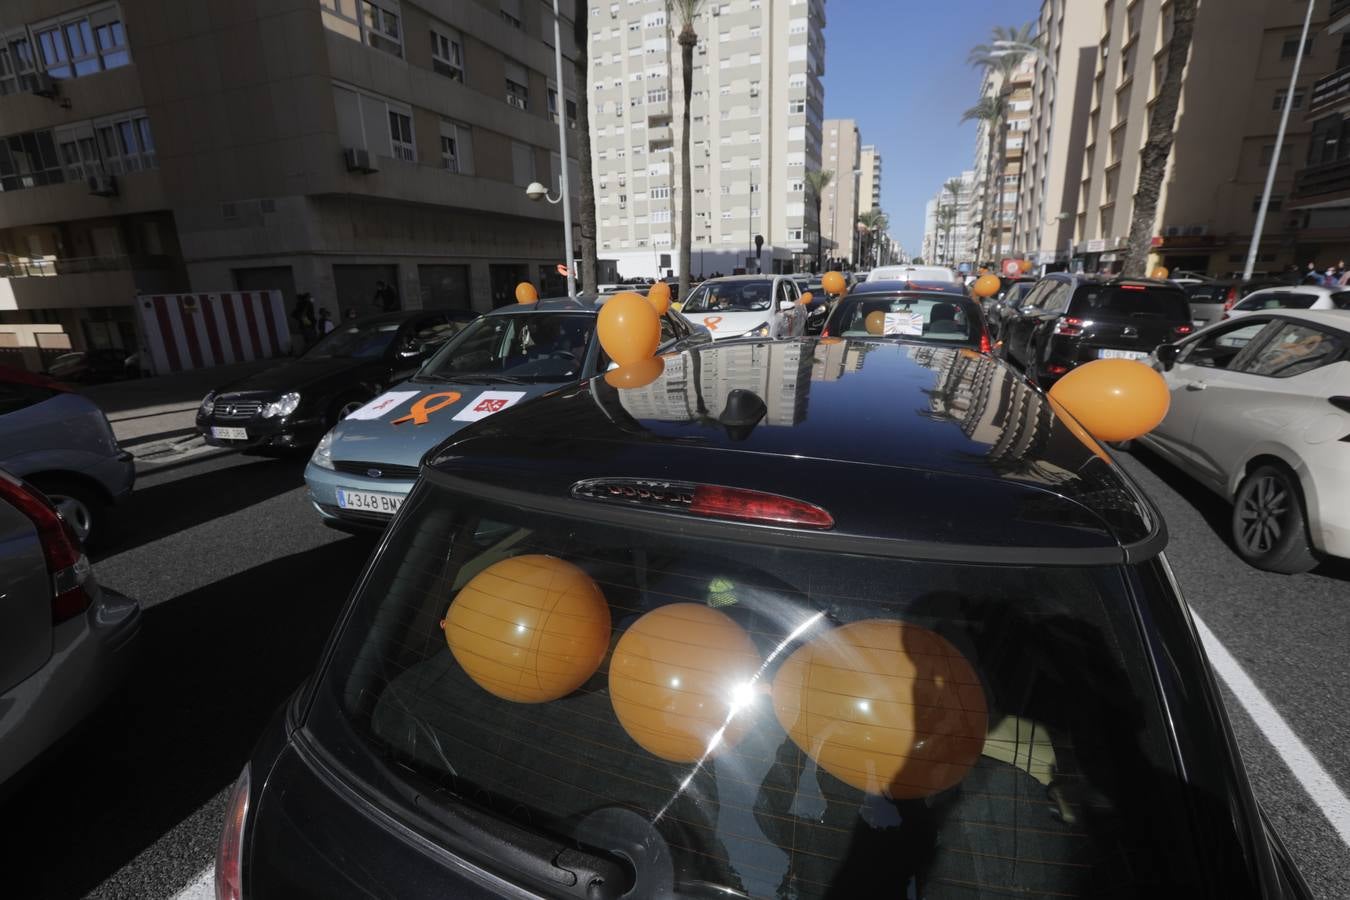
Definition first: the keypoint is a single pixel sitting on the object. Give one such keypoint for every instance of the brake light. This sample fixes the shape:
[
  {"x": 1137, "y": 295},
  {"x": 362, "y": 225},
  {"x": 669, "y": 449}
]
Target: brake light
[
  {"x": 1182, "y": 330},
  {"x": 1230, "y": 298},
  {"x": 1133, "y": 287},
  {"x": 755, "y": 506},
  {"x": 1056, "y": 369},
  {"x": 1069, "y": 326},
  {"x": 67, "y": 565},
  {"x": 985, "y": 345},
  {"x": 230, "y": 853},
  {"x": 825, "y": 332}
]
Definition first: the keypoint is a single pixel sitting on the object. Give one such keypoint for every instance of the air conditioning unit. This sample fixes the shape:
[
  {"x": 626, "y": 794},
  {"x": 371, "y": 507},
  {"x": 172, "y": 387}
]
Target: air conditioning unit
[
  {"x": 359, "y": 160},
  {"x": 102, "y": 185},
  {"x": 45, "y": 85}
]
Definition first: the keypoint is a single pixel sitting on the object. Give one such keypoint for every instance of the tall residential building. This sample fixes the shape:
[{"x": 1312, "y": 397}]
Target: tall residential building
[
  {"x": 840, "y": 154},
  {"x": 314, "y": 146},
  {"x": 1017, "y": 124},
  {"x": 1321, "y": 193},
  {"x": 929, "y": 249},
  {"x": 870, "y": 180},
  {"x": 949, "y": 229},
  {"x": 757, "y": 112}
]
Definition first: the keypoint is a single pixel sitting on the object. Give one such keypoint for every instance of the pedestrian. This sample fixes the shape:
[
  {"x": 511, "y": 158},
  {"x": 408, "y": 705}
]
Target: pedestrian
[
  {"x": 325, "y": 321},
  {"x": 302, "y": 318},
  {"x": 386, "y": 298},
  {"x": 1311, "y": 275}
]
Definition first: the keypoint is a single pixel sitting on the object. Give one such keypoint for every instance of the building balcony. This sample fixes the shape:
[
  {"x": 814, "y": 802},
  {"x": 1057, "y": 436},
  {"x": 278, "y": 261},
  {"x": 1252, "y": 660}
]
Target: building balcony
[
  {"x": 1330, "y": 92},
  {"x": 658, "y": 111},
  {"x": 1340, "y": 16},
  {"x": 1328, "y": 183},
  {"x": 49, "y": 267},
  {"x": 660, "y": 136}
]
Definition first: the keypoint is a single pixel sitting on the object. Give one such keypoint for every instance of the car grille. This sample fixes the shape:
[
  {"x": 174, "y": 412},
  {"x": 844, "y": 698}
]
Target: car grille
[
  {"x": 236, "y": 409},
  {"x": 369, "y": 469}
]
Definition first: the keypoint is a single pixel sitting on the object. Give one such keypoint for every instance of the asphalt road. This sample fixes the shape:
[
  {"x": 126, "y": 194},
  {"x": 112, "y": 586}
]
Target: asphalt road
[{"x": 242, "y": 585}]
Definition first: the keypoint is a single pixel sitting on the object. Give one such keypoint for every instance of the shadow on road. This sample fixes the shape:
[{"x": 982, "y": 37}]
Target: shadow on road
[{"x": 214, "y": 666}]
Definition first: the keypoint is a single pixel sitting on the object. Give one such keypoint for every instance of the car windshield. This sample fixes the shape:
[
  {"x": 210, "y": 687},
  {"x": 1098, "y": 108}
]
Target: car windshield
[
  {"x": 731, "y": 296},
  {"x": 932, "y": 318},
  {"x": 760, "y": 721},
  {"x": 361, "y": 340},
  {"x": 524, "y": 346},
  {"x": 1111, "y": 301}
]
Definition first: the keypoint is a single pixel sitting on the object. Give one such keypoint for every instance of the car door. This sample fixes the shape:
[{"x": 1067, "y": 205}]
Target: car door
[
  {"x": 794, "y": 319},
  {"x": 1021, "y": 321}
]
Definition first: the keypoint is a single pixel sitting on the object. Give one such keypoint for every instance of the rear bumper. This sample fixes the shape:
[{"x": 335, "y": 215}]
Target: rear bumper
[{"x": 288, "y": 432}]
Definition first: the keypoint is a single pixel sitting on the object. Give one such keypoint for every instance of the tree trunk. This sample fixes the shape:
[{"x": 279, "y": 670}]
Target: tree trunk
[
  {"x": 586, "y": 215},
  {"x": 988, "y": 181},
  {"x": 687, "y": 41},
  {"x": 1161, "y": 127},
  {"x": 820, "y": 237}
]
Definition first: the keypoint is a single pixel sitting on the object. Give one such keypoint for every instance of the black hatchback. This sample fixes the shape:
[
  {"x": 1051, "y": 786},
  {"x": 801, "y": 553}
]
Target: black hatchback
[
  {"x": 1067, "y": 320},
  {"x": 878, "y": 624},
  {"x": 909, "y": 311}
]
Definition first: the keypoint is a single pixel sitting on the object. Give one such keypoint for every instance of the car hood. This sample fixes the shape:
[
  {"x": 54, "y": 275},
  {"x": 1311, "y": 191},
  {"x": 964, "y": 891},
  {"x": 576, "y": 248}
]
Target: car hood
[
  {"x": 730, "y": 324},
  {"x": 296, "y": 375},
  {"x": 403, "y": 423}
]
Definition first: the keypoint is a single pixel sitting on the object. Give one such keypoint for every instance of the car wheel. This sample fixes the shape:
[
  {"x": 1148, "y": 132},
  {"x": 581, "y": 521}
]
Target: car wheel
[
  {"x": 1269, "y": 525},
  {"x": 344, "y": 407},
  {"x": 80, "y": 506}
]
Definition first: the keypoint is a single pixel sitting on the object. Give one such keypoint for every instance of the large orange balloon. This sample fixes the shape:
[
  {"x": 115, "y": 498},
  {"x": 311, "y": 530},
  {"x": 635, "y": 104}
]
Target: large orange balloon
[
  {"x": 834, "y": 283},
  {"x": 659, "y": 297},
  {"x": 987, "y": 286},
  {"x": 887, "y": 707},
  {"x": 525, "y": 293},
  {"x": 805, "y": 299},
  {"x": 1160, "y": 273},
  {"x": 1025, "y": 266},
  {"x": 529, "y": 628},
  {"x": 876, "y": 322},
  {"x": 678, "y": 675},
  {"x": 629, "y": 328},
  {"x": 636, "y": 375},
  {"x": 1114, "y": 399}
]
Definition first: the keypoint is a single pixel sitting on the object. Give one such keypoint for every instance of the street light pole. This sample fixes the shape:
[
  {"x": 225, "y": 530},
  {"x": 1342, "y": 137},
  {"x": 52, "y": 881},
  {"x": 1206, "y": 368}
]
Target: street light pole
[
  {"x": 1279, "y": 143},
  {"x": 562, "y": 154}
]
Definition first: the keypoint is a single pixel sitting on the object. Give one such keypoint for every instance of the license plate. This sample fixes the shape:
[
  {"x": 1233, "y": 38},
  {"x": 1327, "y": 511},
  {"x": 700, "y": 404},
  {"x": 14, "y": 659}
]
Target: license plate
[
  {"x": 368, "y": 501},
  {"x": 1120, "y": 354},
  {"x": 222, "y": 433}
]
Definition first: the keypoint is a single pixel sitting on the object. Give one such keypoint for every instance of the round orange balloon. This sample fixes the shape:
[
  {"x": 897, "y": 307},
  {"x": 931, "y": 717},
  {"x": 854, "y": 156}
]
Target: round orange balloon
[
  {"x": 875, "y": 322},
  {"x": 987, "y": 286},
  {"x": 636, "y": 375},
  {"x": 659, "y": 297},
  {"x": 1114, "y": 399},
  {"x": 1025, "y": 266},
  {"x": 525, "y": 293},
  {"x": 529, "y": 628},
  {"x": 887, "y": 707},
  {"x": 679, "y": 676},
  {"x": 629, "y": 328},
  {"x": 1160, "y": 273},
  {"x": 834, "y": 283},
  {"x": 806, "y": 298}
]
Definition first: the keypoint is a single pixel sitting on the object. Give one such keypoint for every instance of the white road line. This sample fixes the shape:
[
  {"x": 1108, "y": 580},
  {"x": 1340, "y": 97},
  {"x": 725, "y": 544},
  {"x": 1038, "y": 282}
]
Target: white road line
[
  {"x": 203, "y": 888},
  {"x": 1320, "y": 786}
]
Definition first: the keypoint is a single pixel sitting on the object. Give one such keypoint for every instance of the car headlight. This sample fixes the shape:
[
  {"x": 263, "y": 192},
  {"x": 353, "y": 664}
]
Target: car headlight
[
  {"x": 208, "y": 404},
  {"x": 761, "y": 331},
  {"x": 323, "y": 454},
  {"x": 282, "y": 406}
]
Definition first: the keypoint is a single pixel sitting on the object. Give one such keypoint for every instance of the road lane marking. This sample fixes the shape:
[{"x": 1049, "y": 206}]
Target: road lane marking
[
  {"x": 1319, "y": 785},
  {"x": 202, "y": 888}
]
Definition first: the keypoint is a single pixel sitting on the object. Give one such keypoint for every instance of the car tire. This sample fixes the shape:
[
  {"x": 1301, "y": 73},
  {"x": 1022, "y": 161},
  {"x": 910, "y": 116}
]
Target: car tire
[
  {"x": 79, "y": 504},
  {"x": 1269, "y": 523},
  {"x": 345, "y": 406}
]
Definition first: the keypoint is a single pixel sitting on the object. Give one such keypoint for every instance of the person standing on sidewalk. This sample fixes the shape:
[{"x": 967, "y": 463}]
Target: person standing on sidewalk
[
  {"x": 325, "y": 321},
  {"x": 386, "y": 298},
  {"x": 302, "y": 319}
]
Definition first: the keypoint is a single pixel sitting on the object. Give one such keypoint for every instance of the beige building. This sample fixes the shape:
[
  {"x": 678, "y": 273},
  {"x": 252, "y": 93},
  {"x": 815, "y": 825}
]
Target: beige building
[
  {"x": 756, "y": 119},
  {"x": 306, "y": 145},
  {"x": 841, "y": 154},
  {"x": 869, "y": 182},
  {"x": 1321, "y": 193}
]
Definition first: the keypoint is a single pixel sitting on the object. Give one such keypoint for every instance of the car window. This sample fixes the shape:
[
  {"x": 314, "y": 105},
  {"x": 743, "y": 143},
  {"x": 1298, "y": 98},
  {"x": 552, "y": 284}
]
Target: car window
[
  {"x": 1277, "y": 300},
  {"x": 1220, "y": 348},
  {"x": 14, "y": 397},
  {"x": 731, "y": 296},
  {"x": 529, "y": 346},
  {"x": 669, "y": 330},
  {"x": 1130, "y": 301},
  {"x": 1057, "y": 300},
  {"x": 1293, "y": 350},
  {"x": 1341, "y": 300},
  {"x": 367, "y": 340},
  {"x": 1038, "y": 294},
  {"x": 433, "y": 329},
  {"x": 913, "y": 317}
]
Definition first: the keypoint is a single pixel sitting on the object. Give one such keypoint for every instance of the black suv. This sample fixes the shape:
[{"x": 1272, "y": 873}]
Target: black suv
[
  {"x": 1071, "y": 319},
  {"x": 801, "y": 618}
]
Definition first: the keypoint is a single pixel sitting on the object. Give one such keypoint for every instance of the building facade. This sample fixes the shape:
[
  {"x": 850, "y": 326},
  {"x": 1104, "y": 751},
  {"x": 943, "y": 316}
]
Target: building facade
[
  {"x": 869, "y": 190},
  {"x": 308, "y": 146},
  {"x": 841, "y": 154},
  {"x": 1321, "y": 192},
  {"x": 757, "y": 114},
  {"x": 949, "y": 229}
]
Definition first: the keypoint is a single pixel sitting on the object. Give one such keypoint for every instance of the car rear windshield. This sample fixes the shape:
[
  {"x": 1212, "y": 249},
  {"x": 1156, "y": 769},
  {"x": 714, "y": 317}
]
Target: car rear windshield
[
  {"x": 750, "y": 720},
  {"x": 915, "y": 317},
  {"x": 1112, "y": 301},
  {"x": 731, "y": 296},
  {"x": 527, "y": 346}
]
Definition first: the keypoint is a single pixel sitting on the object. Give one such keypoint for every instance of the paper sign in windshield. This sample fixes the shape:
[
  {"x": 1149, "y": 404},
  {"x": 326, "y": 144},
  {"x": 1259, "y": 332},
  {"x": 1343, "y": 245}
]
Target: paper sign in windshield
[
  {"x": 385, "y": 403},
  {"x": 903, "y": 323},
  {"x": 487, "y": 403}
]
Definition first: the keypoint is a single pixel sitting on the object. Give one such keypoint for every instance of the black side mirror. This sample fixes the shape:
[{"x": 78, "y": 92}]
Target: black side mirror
[{"x": 1167, "y": 355}]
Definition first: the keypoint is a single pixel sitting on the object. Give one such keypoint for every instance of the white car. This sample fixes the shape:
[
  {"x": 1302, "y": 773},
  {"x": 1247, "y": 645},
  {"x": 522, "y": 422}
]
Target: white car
[
  {"x": 763, "y": 306},
  {"x": 1296, "y": 296},
  {"x": 1260, "y": 414},
  {"x": 912, "y": 273}
]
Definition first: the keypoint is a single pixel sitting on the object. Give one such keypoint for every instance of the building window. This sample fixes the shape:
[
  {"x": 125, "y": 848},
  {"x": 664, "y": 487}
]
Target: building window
[
  {"x": 29, "y": 160},
  {"x": 658, "y": 96},
  {"x": 456, "y": 155},
  {"x": 1276, "y": 203},
  {"x": 79, "y": 152},
  {"x": 1281, "y": 94},
  {"x": 660, "y": 193},
  {"x": 796, "y": 107},
  {"x": 447, "y": 53},
  {"x": 517, "y": 86},
  {"x": 17, "y": 66},
  {"x": 379, "y": 24},
  {"x": 401, "y": 136},
  {"x": 522, "y": 164},
  {"x": 1289, "y": 49},
  {"x": 125, "y": 144},
  {"x": 511, "y": 13}
]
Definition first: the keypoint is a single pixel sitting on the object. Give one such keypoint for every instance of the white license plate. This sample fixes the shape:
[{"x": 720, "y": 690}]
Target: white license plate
[
  {"x": 222, "y": 433},
  {"x": 1120, "y": 354},
  {"x": 368, "y": 501}
]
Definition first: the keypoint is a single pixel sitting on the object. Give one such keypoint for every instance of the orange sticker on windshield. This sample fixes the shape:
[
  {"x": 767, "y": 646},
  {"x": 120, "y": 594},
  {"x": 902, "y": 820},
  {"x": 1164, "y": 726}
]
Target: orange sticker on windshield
[
  {"x": 422, "y": 408},
  {"x": 711, "y": 322}
]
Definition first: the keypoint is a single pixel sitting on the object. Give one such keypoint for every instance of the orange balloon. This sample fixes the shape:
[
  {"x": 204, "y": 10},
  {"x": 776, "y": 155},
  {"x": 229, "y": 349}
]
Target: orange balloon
[
  {"x": 1114, "y": 399},
  {"x": 1025, "y": 266},
  {"x": 529, "y": 628},
  {"x": 834, "y": 283},
  {"x": 525, "y": 293},
  {"x": 679, "y": 675},
  {"x": 806, "y": 298},
  {"x": 629, "y": 328},
  {"x": 876, "y": 322},
  {"x": 636, "y": 375},
  {"x": 887, "y": 707},
  {"x": 1160, "y": 273},
  {"x": 987, "y": 286},
  {"x": 1079, "y": 431},
  {"x": 659, "y": 297}
]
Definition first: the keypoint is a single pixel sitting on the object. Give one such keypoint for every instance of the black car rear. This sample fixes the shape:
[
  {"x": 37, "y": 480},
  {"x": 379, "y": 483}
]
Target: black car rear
[
  {"x": 1069, "y": 320},
  {"x": 879, "y": 309}
]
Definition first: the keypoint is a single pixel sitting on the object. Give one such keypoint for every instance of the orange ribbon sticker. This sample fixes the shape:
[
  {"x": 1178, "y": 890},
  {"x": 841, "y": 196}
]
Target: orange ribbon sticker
[
  {"x": 711, "y": 322},
  {"x": 421, "y": 409}
]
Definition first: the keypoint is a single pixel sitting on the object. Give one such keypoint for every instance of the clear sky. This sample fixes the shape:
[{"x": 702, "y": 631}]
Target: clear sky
[{"x": 898, "y": 67}]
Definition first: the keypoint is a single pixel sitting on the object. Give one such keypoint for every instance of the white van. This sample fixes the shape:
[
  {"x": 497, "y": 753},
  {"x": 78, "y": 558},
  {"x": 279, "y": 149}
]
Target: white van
[{"x": 911, "y": 273}]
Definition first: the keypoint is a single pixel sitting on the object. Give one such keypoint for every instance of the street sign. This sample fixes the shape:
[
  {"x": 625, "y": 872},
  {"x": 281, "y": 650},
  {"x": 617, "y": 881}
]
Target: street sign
[
  {"x": 1012, "y": 267},
  {"x": 562, "y": 270}
]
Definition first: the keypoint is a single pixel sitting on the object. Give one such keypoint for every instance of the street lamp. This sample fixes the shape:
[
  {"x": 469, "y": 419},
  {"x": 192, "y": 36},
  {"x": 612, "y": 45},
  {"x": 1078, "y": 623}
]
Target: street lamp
[{"x": 535, "y": 190}]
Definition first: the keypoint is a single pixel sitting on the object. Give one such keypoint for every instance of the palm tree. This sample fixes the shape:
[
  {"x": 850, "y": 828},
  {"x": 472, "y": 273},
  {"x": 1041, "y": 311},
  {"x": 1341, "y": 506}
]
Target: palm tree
[
  {"x": 875, "y": 221},
  {"x": 946, "y": 216},
  {"x": 586, "y": 215},
  {"x": 688, "y": 10},
  {"x": 1158, "y": 147},
  {"x": 953, "y": 186},
  {"x": 817, "y": 182},
  {"x": 990, "y": 111}
]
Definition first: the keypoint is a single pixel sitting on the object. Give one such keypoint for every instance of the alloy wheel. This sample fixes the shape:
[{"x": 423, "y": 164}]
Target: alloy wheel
[
  {"x": 1262, "y": 513},
  {"x": 349, "y": 407}
]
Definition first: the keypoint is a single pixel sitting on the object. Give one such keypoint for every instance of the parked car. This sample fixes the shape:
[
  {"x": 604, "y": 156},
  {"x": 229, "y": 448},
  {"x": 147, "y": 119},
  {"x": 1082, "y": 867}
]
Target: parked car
[
  {"x": 293, "y": 404},
  {"x": 748, "y": 306},
  {"x": 619, "y": 644},
  {"x": 96, "y": 366},
  {"x": 363, "y": 468},
  {"x": 818, "y": 310},
  {"x": 1210, "y": 300},
  {"x": 1068, "y": 319},
  {"x": 906, "y": 313},
  {"x": 998, "y": 310},
  {"x": 913, "y": 273},
  {"x": 1304, "y": 296},
  {"x": 62, "y": 443},
  {"x": 1260, "y": 415},
  {"x": 65, "y": 642}
]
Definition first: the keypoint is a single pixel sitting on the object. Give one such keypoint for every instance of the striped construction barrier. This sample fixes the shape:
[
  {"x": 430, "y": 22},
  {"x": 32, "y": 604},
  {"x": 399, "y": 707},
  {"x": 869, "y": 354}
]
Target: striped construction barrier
[{"x": 196, "y": 331}]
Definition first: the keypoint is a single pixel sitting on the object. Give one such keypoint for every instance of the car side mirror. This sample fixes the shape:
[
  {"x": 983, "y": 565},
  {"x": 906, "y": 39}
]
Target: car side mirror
[
  {"x": 1167, "y": 355},
  {"x": 785, "y": 305}
]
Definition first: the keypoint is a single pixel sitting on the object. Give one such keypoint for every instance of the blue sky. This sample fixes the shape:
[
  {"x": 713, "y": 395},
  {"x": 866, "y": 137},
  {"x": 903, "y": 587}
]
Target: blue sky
[{"x": 898, "y": 67}]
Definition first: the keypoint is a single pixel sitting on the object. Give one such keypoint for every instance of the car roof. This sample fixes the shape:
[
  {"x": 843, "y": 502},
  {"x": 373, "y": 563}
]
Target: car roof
[
  {"x": 932, "y": 452},
  {"x": 1319, "y": 290},
  {"x": 949, "y": 288},
  {"x": 1330, "y": 318},
  {"x": 721, "y": 279}
]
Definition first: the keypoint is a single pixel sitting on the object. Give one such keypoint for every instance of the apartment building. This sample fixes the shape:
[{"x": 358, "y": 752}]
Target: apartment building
[
  {"x": 869, "y": 160},
  {"x": 1321, "y": 192},
  {"x": 1005, "y": 196},
  {"x": 949, "y": 229},
  {"x": 841, "y": 154},
  {"x": 756, "y": 117},
  {"x": 302, "y": 145}
]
